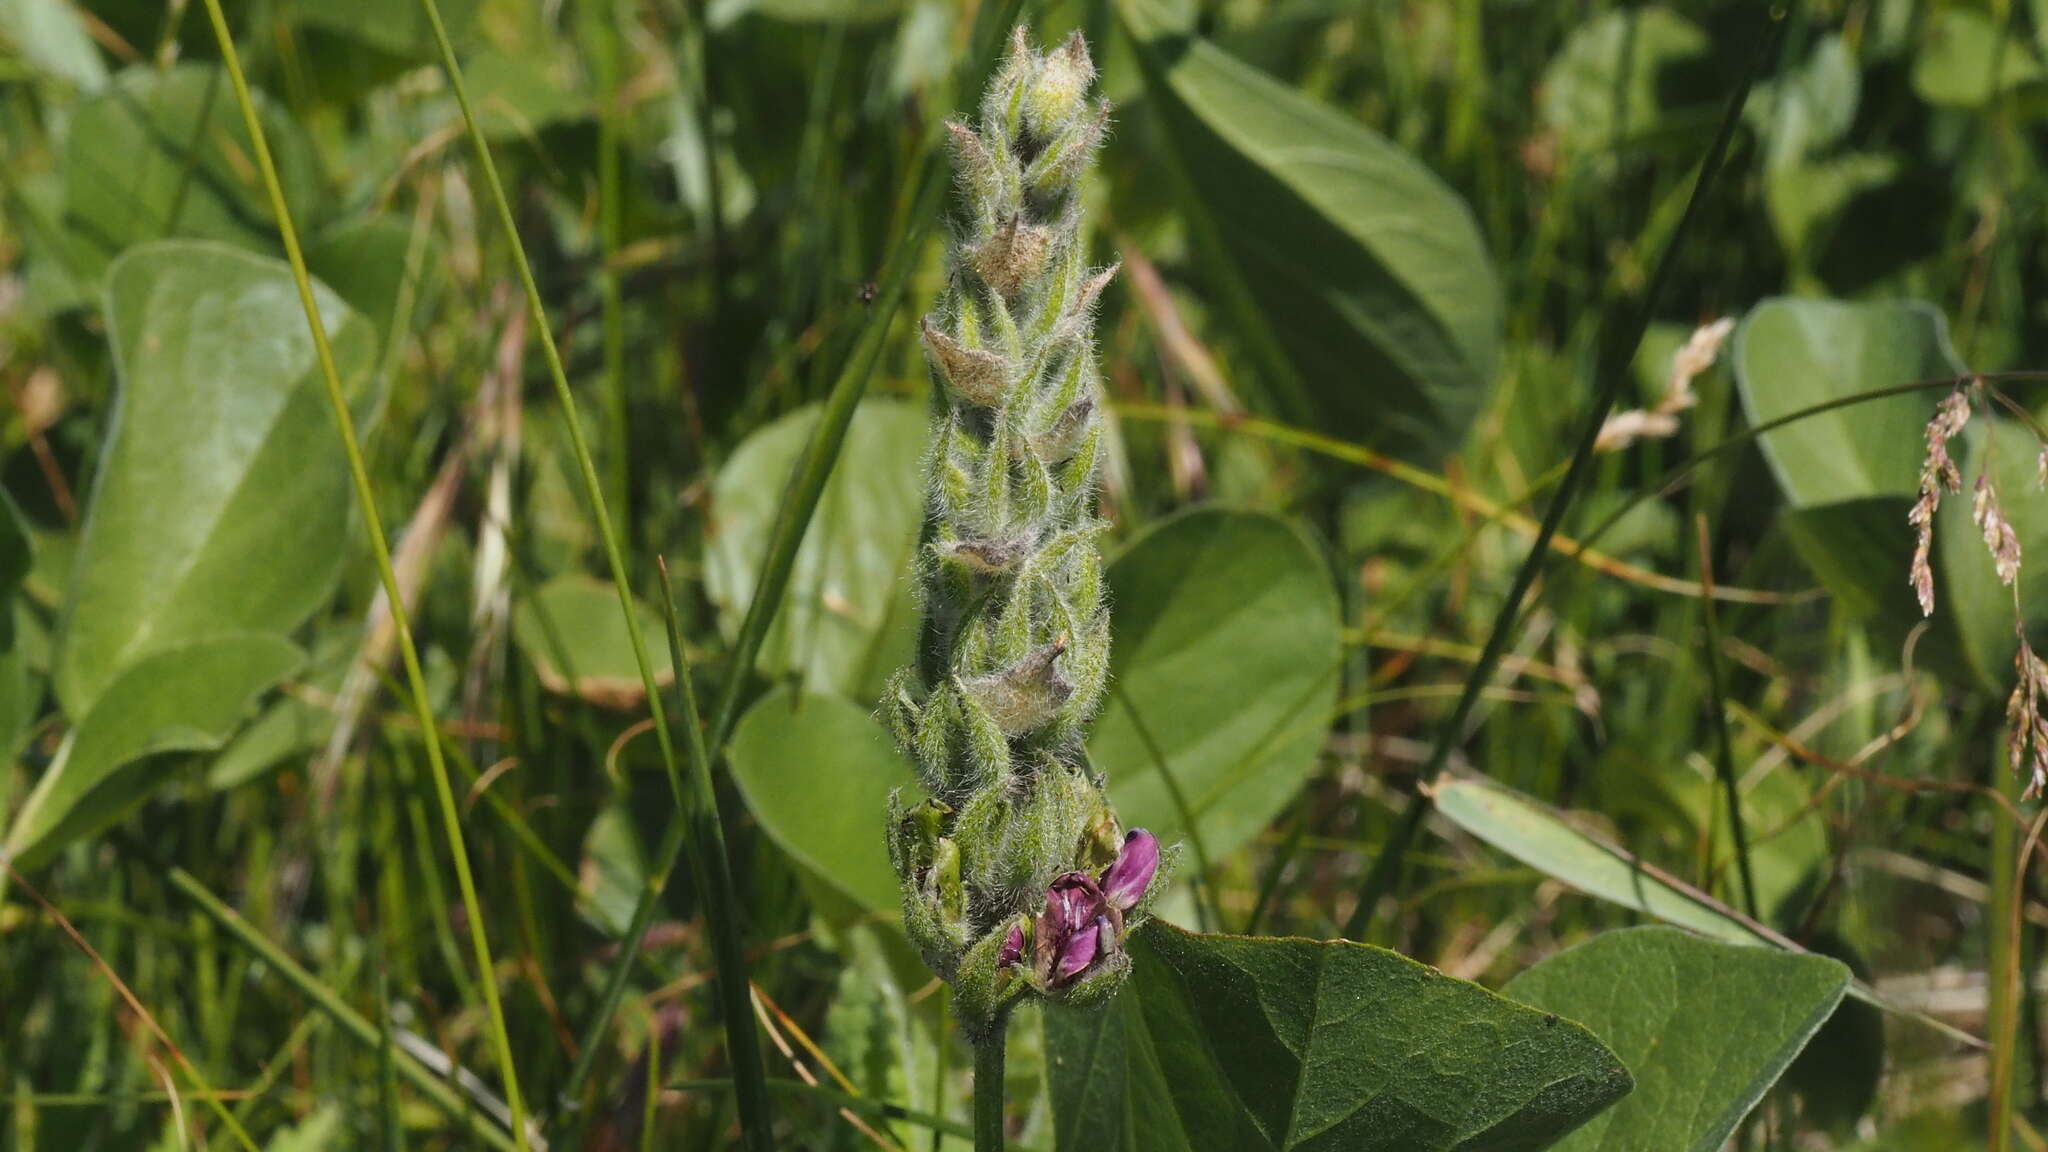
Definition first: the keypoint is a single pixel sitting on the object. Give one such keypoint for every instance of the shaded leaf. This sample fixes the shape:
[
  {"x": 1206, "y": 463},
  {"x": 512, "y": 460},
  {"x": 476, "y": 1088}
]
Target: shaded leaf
[
  {"x": 395, "y": 27},
  {"x": 1224, "y": 664},
  {"x": 222, "y": 490},
  {"x": 848, "y": 619},
  {"x": 572, "y": 631},
  {"x": 1370, "y": 272},
  {"x": 1236, "y": 1043},
  {"x": 1705, "y": 1027},
  {"x": 1612, "y": 82},
  {"x": 161, "y": 154},
  {"x": 182, "y": 699}
]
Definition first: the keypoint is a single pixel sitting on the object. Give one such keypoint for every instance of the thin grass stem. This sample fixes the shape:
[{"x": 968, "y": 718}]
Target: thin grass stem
[{"x": 367, "y": 499}]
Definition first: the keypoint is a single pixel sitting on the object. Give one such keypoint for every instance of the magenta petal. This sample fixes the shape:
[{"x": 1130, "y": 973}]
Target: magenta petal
[
  {"x": 1124, "y": 881},
  {"x": 1013, "y": 948},
  {"x": 1078, "y": 953},
  {"x": 1071, "y": 902}
]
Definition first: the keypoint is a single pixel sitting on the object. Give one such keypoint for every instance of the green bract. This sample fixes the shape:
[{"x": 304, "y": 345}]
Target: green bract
[{"x": 1014, "y": 652}]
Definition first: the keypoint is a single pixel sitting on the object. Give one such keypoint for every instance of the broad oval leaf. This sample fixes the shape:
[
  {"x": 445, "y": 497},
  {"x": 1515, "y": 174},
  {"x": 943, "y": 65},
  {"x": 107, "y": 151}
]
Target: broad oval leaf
[
  {"x": 847, "y": 620},
  {"x": 1223, "y": 673},
  {"x": 222, "y": 489},
  {"x": 163, "y": 153},
  {"x": 1370, "y": 272},
  {"x": 816, "y": 771},
  {"x": 1705, "y": 1027},
  {"x": 1238, "y": 1044},
  {"x": 1850, "y": 474},
  {"x": 575, "y": 635},
  {"x": 187, "y": 698}
]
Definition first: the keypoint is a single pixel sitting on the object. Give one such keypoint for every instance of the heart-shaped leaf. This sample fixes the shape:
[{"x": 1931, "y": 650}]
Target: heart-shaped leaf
[
  {"x": 187, "y": 698},
  {"x": 222, "y": 491},
  {"x": 1223, "y": 674},
  {"x": 1369, "y": 273},
  {"x": 1705, "y": 1027},
  {"x": 848, "y": 620},
  {"x": 1237, "y": 1043}
]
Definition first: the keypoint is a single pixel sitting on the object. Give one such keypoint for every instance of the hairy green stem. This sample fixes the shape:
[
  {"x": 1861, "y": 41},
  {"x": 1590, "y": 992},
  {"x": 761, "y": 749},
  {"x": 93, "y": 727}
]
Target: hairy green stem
[
  {"x": 366, "y": 497},
  {"x": 1610, "y": 376},
  {"x": 988, "y": 1090}
]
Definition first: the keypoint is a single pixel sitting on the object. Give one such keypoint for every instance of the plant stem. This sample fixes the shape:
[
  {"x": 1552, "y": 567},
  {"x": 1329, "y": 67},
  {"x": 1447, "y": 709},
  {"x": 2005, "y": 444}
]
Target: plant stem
[
  {"x": 1610, "y": 376},
  {"x": 367, "y": 499},
  {"x": 1724, "y": 751},
  {"x": 988, "y": 1089}
]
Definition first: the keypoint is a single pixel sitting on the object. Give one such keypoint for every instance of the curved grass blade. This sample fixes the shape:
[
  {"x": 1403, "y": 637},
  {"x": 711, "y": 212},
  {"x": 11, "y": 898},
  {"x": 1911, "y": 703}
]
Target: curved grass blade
[{"x": 366, "y": 498}]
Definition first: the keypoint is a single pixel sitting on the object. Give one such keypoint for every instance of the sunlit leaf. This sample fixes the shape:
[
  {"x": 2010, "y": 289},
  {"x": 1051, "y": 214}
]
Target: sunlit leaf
[
  {"x": 1613, "y": 81},
  {"x": 848, "y": 620},
  {"x": 573, "y": 632},
  {"x": 1369, "y": 271},
  {"x": 1224, "y": 665},
  {"x": 817, "y": 771},
  {"x": 186, "y": 698},
  {"x": 222, "y": 494},
  {"x": 1965, "y": 59}
]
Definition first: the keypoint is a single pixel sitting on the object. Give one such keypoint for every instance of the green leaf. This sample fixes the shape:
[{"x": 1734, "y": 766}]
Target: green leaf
[
  {"x": 20, "y": 688},
  {"x": 181, "y": 699},
  {"x": 572, "y": 631},
  {"x": 1966, "y": 59},
  {"x": 52, "y": 38},
  {"x": 1224, "y": 664},
  {"x": 1851, "y": 474},
  {"x": 816, "y": 771},
  {"x": 1533, "y": 834},
  {"x": 1610, "y": 83},
  {"x": 161, "y": 154},
  {"x": 1811, "y": 108},
  {"x": 1794, "y": 353},
  {"x": 222, "y": 490},
  {"x": 848, "y": 620},
  {"x": 1370, "y": 273},
  {"x": 364, "y": 262},
  {"x": 395, "y": 27},
  {"x": 1240, "y": 1044},
  {"x": 325, "y": 1129},
  {"x": 1705, "y": 1027}
]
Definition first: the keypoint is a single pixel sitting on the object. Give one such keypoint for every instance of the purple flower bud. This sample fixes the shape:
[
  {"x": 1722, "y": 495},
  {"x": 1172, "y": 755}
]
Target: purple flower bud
[
  {"x": 1078, "y": 951},
  {"x": 1069, "y": 936},
  {"x": 1013, "y": 948},
  {"x": 1126, "y": 878}
]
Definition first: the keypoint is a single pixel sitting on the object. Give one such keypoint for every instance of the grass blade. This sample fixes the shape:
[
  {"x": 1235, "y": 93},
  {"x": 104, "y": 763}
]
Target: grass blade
[
  {"x": 367, "y": 499},
  {"x": 1610, "y": 375}
]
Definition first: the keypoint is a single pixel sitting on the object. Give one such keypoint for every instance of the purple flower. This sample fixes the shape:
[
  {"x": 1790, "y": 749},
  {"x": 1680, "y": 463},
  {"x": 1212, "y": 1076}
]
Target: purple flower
[
  {"x": 1126, "y": 878},
  {"x": 1083, "y": 921},
  {"x": 1013, "y": 948}
]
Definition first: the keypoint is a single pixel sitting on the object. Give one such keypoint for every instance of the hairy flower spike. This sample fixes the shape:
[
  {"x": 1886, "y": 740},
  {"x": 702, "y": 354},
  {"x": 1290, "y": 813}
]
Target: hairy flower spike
[{"x": 1017, "y": 878}]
